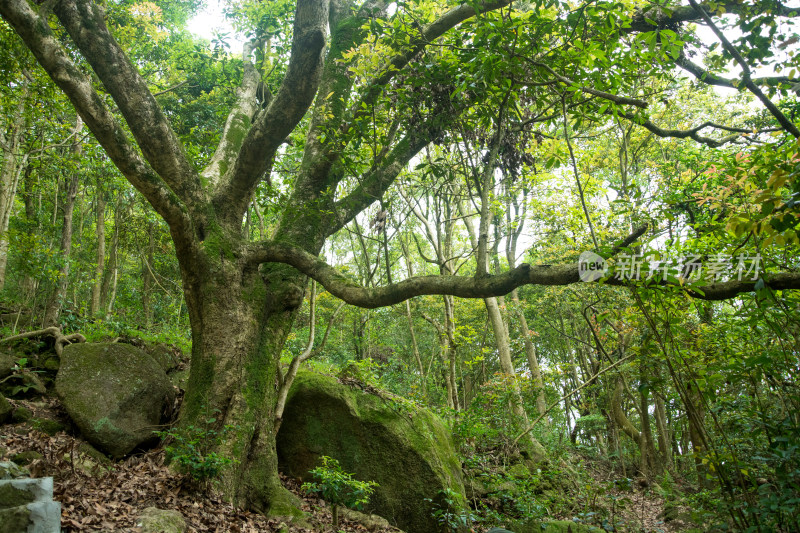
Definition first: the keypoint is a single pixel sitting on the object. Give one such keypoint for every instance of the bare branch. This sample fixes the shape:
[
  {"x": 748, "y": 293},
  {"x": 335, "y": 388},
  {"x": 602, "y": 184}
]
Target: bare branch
[
  {"x": 782, "y": 119},
  {"x": 622, "y": 100},
  {"x": 692, "y": 133}
]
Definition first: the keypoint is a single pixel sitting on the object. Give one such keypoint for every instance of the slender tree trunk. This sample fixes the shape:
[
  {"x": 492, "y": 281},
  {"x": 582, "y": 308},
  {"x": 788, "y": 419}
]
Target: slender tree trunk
[
  {"x": 147, "y": 279},
  {"x": 10, "y": 171},
  {"x": 100, "y": 261},
  {"x": 57, "y": 296},
  {"x": 536, "y": 450},
  {"x": 664, "y": 433},
  {"x": 530, "y": 354},
  {"x": 451, "y": 351}
]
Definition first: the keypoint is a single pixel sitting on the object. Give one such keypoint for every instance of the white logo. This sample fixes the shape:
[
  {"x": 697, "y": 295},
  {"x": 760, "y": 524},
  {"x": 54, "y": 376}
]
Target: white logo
[{"x": 591, "y": 266}]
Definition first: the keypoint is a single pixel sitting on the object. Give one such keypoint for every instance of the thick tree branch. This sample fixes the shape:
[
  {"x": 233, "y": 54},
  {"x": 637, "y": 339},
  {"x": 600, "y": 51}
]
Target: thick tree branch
[
  {"x": 238, "y": 121},
  {"x": 692, "y": 133},
  {"x": 290, "y": 104},
  {"x": 470, "y": 287},
  {"x": 84, "y": 20},
  {"x": 378, "y": 180},
  {"x": 662, "y": 17},
  {"x": 39, "y": 38}
]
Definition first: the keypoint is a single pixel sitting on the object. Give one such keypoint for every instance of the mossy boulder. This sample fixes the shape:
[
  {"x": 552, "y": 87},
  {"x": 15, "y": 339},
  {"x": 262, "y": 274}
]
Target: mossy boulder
[
  {"x": 554, "y": 526},
  {"x": 8, "y": 362},
  {"x": 407, "y": 450},
  {"x": 5, "y": 410},
  {"x": 23, "y": 385},
  {"x": 153, "y": 520},
  {"x": 116, "y": 394}
]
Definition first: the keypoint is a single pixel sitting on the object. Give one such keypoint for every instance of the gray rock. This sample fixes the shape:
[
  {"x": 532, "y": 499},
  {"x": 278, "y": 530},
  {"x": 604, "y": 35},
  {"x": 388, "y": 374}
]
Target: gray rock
[
  {"x": 115, "y": 393},
  {"x": 36, "y": 517},
  {"x": 11, "y": 470},
  {"x": 17, "y": 492},
  {"x": 153, "y": 520}
]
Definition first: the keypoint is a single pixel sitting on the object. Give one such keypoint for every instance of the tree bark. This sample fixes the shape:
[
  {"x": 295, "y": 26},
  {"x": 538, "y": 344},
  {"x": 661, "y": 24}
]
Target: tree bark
[
  {"x": 57, "y": 296},
  {"x": 100, "y": 260},
  {"x": 10, "y": 171}
]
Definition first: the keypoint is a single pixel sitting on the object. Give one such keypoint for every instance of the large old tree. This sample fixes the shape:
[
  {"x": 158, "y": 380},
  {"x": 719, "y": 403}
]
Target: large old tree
[{"x": 376, "y": 82}]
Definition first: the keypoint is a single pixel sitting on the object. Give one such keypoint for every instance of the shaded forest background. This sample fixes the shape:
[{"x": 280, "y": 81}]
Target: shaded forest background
[{"x": 694, "y": 398}]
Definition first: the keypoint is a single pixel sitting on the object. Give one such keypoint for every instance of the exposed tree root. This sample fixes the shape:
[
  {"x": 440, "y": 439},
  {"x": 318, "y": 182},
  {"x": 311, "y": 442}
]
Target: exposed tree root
[{"x": 53, "y": 331}]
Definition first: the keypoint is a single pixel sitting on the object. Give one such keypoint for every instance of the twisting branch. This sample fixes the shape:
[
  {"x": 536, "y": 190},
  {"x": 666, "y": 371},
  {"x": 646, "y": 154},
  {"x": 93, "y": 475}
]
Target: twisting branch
[
  {"x": 470, "y": 287},
  {"x": 782, "y": 119},
  {"x": 692, "y": 133}
]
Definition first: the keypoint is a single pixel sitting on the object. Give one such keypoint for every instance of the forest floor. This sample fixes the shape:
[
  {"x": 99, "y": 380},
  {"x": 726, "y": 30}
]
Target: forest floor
[
  {"x": 97, "y": 494},
  {"x": 100, "y": 495}
]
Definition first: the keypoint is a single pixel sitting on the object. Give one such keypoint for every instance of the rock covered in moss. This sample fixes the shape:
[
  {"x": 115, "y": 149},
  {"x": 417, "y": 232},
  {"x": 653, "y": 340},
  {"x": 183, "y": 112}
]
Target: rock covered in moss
[
  {"x": 153, "y": 520},
  {"x": 23, "y": 385},
  {"x": 554, "y": 526},
  {"x": 405, "y": 449},
  {"x": 115, "y": 394},
  {"x": 5, "y": 410}
]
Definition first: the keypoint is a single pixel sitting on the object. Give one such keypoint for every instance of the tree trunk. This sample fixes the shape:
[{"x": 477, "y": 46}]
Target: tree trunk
[
  {"x": 148, "y": 279},
  {"x": 240, "y": 319},
  {"x": 57, "y": 296},
  {"x": 451, "y": 350},
  {"x": 530, "y": 354},
  {"x": 536, "y": 450},
  {"x": 10, "y": 172},
  {"x": 100, "y": 262}
]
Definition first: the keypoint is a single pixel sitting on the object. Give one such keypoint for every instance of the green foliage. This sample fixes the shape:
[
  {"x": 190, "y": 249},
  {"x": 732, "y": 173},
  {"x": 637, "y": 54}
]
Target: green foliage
[
  {"x": 191, "y": 449},
  {"x": 337, "y": 486},
  {"x": 450, "y": 511},
  {"x": 367, "y": 371}
]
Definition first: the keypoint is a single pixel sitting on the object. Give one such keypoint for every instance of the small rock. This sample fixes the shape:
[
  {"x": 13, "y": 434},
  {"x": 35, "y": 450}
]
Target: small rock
[
  {"x": 21, "y": 414},
  {"x": 372, "y": 522},
  {"x": 519, "y": 471},
  {"x": 153, "y": 520},
  {"x": 26, "y": 458},
  {"x": 52, "y": 363},
  {"x": 46, "y": 425},
  {"x": 7, "y": 364}
]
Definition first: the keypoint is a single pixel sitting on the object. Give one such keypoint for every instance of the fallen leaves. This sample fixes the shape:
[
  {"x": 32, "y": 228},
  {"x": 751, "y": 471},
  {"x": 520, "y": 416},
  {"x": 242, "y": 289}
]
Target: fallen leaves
[{"x": 109, "y": 497}]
